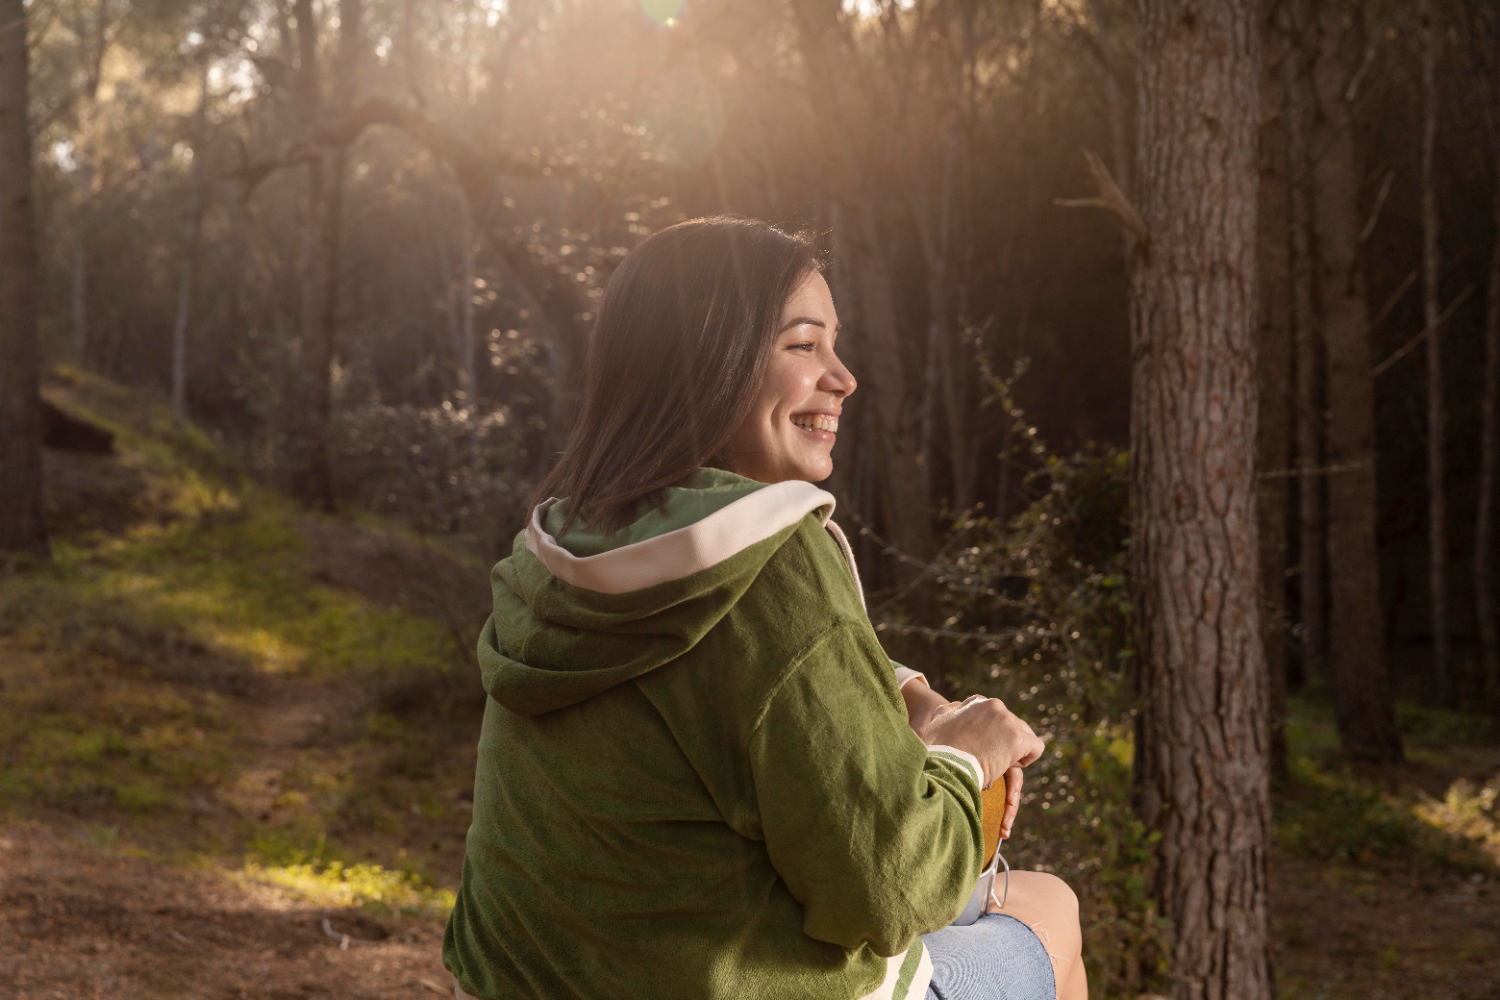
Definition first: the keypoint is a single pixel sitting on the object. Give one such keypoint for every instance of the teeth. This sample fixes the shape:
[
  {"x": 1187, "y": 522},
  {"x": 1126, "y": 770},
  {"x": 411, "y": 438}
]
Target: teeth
[{"x": 817, "y": 422}]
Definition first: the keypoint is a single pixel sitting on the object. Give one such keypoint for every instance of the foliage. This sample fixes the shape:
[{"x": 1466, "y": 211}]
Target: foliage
[
  {"x": 1042, "y": 610},
  {"x": 444, "y": 470},
  {"x": 331, "y": 882},
  {"x": 1468, "y": 811}
]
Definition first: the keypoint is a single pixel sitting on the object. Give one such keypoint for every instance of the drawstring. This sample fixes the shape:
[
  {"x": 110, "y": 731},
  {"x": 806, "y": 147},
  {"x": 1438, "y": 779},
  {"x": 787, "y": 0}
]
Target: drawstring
[
  {"x": 990, "y": 896},
  {"x": 847, "y": 551}
]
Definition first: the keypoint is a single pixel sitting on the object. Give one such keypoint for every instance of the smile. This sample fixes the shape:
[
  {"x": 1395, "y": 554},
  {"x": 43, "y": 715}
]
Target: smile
[{"x": 816, "y": 422}]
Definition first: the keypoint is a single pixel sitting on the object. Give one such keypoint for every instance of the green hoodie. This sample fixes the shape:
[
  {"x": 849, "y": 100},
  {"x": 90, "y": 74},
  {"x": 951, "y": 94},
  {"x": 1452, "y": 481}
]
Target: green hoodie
[{"x": 696, "y": 778}]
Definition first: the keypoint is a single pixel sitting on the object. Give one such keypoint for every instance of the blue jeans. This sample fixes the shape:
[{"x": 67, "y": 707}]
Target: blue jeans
[{"x": 995, "y": 958}]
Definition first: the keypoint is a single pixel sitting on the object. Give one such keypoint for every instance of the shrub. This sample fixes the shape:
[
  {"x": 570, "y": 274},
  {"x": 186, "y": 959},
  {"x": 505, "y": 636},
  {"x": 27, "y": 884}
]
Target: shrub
[
  {"x": 446, "y": 470},
  {"x": 1038, "y": 613}
]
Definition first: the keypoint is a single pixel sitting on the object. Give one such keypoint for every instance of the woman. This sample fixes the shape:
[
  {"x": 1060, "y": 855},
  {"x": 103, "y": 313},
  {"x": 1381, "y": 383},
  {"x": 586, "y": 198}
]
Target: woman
[{"x": 699, "y": 775}]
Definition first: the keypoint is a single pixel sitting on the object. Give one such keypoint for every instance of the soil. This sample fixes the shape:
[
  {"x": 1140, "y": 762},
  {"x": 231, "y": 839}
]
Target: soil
[
  {"x": 1373, "y": 934},
  {"x": 77, "y": 921}
]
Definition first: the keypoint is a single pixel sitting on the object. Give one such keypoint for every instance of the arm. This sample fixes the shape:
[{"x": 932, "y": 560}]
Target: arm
[
  {"x": 877, "y": 835},
  {"x": 923, "y": 705},
  {"x": 922, "y": 702}
]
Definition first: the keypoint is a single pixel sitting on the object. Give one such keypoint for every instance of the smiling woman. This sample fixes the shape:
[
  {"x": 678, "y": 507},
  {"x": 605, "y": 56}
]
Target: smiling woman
[{"x": 700, "y": 776}]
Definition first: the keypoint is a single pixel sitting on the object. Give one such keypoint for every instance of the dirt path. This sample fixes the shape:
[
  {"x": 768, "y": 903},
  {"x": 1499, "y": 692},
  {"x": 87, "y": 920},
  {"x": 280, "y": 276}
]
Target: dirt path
[
  {"x": 1342, "y": 932},
  {"x": 80, "y": 922}
]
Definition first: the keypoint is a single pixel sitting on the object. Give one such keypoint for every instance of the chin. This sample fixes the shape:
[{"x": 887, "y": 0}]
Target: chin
[{"x": 815, "y": 472}]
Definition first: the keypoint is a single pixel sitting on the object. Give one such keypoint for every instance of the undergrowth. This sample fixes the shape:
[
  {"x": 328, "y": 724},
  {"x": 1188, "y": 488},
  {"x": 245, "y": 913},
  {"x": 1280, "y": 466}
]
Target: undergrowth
[{"x": 179, "y": 596}]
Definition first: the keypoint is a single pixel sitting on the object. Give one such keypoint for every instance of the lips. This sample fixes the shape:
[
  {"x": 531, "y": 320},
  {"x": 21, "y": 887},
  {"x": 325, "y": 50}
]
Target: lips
[{"x": 816, "y": 422}]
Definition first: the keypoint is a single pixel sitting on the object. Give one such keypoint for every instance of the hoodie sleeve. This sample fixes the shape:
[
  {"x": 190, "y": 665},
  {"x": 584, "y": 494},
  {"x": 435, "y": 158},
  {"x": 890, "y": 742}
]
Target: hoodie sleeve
[{"x": 877, "y": 835}]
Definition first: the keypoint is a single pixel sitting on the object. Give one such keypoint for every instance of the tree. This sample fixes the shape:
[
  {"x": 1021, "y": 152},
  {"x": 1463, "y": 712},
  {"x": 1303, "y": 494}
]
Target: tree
[
  {"x": 1204, "y": 755},
  {"x": 1432, "y": 270},
  {"x": 322, "y": 244},
  {"x": 22, "y": 524},
  {"x": 1274, "y": 373},
  {"x": 1363, "y": 698},
  {"x": 1312, "y": 544},
  {"x": 1489, "y": 447},
  {"x": 196, "y": 208}
]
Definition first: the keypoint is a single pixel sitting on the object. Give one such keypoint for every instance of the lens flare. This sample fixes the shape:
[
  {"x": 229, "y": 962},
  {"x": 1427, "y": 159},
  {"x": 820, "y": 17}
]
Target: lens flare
[
  {"x": 663, "y": 11},
  {"x": 683, "y": 118}
]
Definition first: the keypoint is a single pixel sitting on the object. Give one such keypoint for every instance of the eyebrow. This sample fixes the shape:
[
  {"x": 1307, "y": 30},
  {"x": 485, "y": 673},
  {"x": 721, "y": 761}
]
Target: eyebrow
[{"x": 808, "y": 320}]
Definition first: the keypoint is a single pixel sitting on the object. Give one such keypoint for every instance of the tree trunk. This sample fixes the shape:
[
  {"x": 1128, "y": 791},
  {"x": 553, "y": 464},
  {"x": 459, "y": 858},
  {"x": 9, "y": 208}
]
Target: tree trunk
[
  {"x": 78, "y": 296},
  {"x": 1484, "y": 519},
  {"x": 1432, "y": 267},
  {"x": 308, "y": 445},
  {"x": 23, "y": 526},
  {"x": 320, "y": 306},
  {"x": 1489, "y": 447},
  {"x": 1363, "y": 699},
  {"x": 1309, "y": 407},
  {"x": 466, "y": 302},
  {"x": 196, "y": 207},
  {"x": 1204, "y": 750},
  {"x": 1274, "y": 376}
]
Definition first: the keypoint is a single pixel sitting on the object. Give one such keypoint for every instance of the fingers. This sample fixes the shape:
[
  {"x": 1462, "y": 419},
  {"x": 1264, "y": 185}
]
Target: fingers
[
  {"x": 1013, "y": 780},
  {"x": 1031, "y": 749}
]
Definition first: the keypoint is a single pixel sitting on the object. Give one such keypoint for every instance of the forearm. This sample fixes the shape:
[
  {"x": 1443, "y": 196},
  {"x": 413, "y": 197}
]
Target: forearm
[{"x": 921, "y": 703}]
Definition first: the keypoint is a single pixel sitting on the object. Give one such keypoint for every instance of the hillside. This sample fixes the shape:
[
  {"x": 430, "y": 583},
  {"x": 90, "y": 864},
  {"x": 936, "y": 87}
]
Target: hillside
[{"x": 225, "y": 721}]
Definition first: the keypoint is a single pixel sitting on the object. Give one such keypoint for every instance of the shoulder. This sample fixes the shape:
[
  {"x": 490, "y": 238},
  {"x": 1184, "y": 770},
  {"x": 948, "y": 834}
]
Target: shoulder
[{"x": 808, "y": 572}]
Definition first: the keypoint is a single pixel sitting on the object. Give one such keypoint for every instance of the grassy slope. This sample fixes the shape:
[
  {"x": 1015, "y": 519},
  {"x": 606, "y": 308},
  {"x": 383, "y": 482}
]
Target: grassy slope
[{"x": 205, "y": 670}]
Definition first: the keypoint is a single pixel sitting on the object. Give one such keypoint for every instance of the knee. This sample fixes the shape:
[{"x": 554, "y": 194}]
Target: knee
[{"x": 1058, "y": 895}]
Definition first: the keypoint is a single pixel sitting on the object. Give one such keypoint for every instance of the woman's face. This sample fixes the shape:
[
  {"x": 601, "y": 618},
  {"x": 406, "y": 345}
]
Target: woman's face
[{"x": 791, "y": 427}]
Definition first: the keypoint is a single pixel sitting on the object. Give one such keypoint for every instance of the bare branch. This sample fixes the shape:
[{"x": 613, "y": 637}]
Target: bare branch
[
  {"x": 1111, "y": 198},
  {"x": 1411, "y": 344},
  {"x": 1385, "y": 192}
]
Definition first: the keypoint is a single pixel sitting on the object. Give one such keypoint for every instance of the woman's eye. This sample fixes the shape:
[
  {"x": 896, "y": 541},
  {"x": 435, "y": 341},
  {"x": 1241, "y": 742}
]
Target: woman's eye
[{"x": 808, "y": 346}]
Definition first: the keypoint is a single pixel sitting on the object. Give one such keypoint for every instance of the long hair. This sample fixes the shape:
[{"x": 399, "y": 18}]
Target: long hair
[{"x": 675, "y": 360}]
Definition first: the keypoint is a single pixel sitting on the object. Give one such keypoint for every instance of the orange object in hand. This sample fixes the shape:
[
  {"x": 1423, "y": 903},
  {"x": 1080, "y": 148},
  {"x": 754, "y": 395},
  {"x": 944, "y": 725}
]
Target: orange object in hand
[{"x": 992, "y": 812}]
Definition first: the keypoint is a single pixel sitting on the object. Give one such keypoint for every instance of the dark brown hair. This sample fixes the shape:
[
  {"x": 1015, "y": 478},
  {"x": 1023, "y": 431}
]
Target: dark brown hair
[{"x": 675, "y": 360}]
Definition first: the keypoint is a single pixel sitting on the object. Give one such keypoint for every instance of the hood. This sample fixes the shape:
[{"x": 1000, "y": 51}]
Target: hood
[{"x": 577, "y": 615}]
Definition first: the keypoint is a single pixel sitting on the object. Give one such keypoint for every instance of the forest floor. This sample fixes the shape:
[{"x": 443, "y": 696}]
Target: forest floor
[{"x": 237, "y": 739}]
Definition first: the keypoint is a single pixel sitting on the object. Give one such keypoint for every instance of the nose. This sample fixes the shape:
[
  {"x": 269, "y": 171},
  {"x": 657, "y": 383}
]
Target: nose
[{"x": 838, "y": 380}]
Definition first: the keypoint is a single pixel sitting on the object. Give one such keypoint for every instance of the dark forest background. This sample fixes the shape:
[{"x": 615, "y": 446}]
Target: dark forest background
[{"x": 418, "y": 209}]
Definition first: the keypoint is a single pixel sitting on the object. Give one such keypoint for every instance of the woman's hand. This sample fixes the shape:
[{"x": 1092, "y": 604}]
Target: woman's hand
[{"x": 999, "y": 739}]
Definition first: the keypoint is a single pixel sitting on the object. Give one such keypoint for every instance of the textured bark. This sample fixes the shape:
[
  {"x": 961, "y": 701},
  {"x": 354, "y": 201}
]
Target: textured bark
[
  {"x": 1274, "y": 378},
  {"x": 22, "y": 525},
  {"x": 1432, "y": 270},
  {"x": 1363, "y": 698},
  {"x": 1204, "y": 751},
  {"x": 1312, "y": 578}
]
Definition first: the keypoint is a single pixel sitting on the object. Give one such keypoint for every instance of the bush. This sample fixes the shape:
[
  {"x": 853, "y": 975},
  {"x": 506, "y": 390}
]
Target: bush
[
  {"x": 1041, "y": 613},
  {"x": 445, "y": 470}
]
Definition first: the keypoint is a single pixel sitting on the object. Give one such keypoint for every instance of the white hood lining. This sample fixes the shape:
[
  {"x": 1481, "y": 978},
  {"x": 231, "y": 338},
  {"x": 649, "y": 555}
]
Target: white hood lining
[{"x": 685, "y": 551}]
